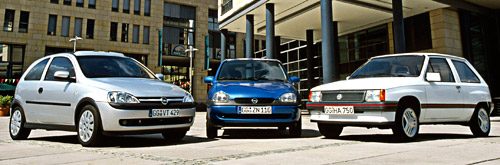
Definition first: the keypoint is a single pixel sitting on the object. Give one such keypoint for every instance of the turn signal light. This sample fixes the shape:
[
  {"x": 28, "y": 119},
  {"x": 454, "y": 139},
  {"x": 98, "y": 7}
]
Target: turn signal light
[{"x": 382, "y": 95}]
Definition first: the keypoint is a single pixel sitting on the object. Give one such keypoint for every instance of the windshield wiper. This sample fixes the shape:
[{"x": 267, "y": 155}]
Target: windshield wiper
[{"x": 229, "y": 78}]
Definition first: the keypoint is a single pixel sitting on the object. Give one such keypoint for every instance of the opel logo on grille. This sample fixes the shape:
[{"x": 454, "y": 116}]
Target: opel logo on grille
[
  {"x": 255, "y": 101},
  {"x": 339, "y": 97},
  {"x": 164, "y": 100}
]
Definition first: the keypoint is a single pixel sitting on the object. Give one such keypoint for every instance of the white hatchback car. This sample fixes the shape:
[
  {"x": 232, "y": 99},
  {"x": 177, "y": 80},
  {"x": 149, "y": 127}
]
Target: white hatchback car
[
  {"x": 401, "y": 92},
  {"x": 95, "y": 94}
]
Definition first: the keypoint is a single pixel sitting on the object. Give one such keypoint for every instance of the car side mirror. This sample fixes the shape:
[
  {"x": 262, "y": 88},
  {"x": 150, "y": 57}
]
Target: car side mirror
[
  {"x": 433, "y": 77},
  {"x": 209, "y": 79},
  {"x": 62, "y": 74},
  {"x": 160, "y": 76},
  {"x": 294, "y": 79}
]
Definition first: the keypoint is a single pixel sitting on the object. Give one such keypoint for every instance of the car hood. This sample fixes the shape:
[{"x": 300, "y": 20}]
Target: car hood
[
  {"x": 245, "y": 89},
  {"x": 368, "y": 83},
  {"x": 138, "y": 86}
]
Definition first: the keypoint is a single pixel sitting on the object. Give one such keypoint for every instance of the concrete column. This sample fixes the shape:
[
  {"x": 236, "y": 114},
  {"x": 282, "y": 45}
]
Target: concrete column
[
  {"x": 270, "y": 49},
  {"x": 277, "y": 43},
  {"x": 223, "y": 44},
  {"x": 250, "y": 37},
  {"x": 398, "y": 26},
  {"x": 327, "y": 41},
  {"x": 336, "y": 52},
  {"x": 310, "y": 58}
]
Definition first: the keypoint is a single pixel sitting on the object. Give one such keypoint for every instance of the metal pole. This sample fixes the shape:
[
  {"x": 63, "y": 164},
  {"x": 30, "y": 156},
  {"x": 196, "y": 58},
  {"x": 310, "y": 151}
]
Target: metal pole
[
  {"x": 74, "y": 46},
  {"x": 398, "y": 26},
  {"x": 327, "y": 43},
  {"x": 270, "y": 32},
  {"x": 223, "y": 44},
  {"x": 250, "y": 37},
  {"x": 190, "y": 69}
]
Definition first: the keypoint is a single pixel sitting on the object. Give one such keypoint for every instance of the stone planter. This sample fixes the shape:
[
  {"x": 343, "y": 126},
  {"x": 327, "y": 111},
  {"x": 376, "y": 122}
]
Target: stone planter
[{"x": 4, "y": 111}]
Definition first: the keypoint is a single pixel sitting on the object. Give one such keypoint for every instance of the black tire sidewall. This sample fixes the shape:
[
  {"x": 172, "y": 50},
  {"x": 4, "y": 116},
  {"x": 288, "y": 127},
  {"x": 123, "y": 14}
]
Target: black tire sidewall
[
  {"x": 23, "y": 132},
  {"x": 295, "y": 129},
  {"x": 211, "y": 131},
  {"x": 330, "y": 131},
  {"x": 474, "y": 125},
  {"x": 398, "y": 128},
  {"x": 96, "y": 135}
]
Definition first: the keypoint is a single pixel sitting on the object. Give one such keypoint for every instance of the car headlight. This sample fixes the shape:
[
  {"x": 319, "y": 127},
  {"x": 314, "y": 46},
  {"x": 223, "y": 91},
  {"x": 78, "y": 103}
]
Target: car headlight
[
  {"x": 220, "y": 97},
  {"x": 121, "y": 97},
  {"x": 375, "y": 95},
  {"x": 188, "y": 99},
  {"x": 315, "y": 96},
  {"x": 288, "y": 98}
]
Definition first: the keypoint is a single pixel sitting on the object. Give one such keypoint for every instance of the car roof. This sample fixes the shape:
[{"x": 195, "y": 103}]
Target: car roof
[
  {"x": 91, "y": 53},
  {"x": 252, "y": 59},
  {"x": 420, "y": 54}
]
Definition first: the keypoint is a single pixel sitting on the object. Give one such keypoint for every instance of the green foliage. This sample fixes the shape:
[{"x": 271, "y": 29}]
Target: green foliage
[{"x": 5, "y": 100}]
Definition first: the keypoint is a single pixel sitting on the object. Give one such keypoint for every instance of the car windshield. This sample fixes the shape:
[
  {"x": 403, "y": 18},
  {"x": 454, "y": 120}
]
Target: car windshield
[
  {"x": 106, "y": 66},
  {"x": 396, "y": 66},
  {"x": 251, "y": 70}
]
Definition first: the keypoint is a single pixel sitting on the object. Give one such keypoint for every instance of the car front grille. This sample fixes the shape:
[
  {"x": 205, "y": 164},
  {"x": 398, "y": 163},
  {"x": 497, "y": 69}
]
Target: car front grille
[
  {"x": 345, "y": 96},
  {"x": 153, "y": 122},
  {"x": 256, "y": 116},
  {"x": 249, "y": 100}
]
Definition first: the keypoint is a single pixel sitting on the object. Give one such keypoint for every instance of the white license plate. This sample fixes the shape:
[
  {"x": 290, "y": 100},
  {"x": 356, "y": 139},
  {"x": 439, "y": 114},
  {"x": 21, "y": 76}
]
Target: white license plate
[
  {"x": 255, "y": 110},
  {"x": 330, "y": 110},
  {"x": 163, "y": 112}
]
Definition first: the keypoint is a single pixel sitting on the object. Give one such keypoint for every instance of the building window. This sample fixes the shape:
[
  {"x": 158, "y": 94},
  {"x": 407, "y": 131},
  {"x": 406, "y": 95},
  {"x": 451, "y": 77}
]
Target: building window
[
  {"x": 177, "y": 75},
  {"x": 67, "y": 2},
  {"x": 226, "y": 6},
  {"x": 51, "y": 30},
  {"x": 145, "y": 35},
  {"x": 65, "y": 26},
  {"x": 135, "y": 34},
  {"x": 147, "y": 7},
  {"x": 137, "y": 7},
  {"x": 11, "y": 61},
  {"x": 139, "y": 57},
  {"x": 78, "y": 27},
  {"x": 91, "y": 4},
  {"x": 114, "y": 6},
  {"x": 178, "y": 28},
  {"x": 90, "y": 28},
  {"x": 79, "y": 3},
  {"x": 54, "y": 1},
  {"x": 213, "y": 23},
  {"x": 124, "y": 32},
  {"x": 8, "y": 24},
  {"x": 418, "y": 32},
  {"x": 113, "y": 31},
  {"x": 24, "y": 22},
  {"x": 126, "y": 6}
]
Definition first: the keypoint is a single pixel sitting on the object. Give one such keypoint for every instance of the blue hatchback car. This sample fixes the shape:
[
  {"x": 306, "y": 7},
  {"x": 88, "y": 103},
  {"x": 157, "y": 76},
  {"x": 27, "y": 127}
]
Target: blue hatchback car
[{"x": 250, "y": 93}]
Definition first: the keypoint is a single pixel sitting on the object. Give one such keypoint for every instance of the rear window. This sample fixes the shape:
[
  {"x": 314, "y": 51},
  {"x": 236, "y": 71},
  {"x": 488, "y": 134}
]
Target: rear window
[{"x": 36, "y": 72}]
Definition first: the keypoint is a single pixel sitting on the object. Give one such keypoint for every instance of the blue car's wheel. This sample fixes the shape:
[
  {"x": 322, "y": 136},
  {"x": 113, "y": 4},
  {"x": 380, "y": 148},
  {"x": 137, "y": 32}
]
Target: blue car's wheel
[{"x": 296, "y": 129}]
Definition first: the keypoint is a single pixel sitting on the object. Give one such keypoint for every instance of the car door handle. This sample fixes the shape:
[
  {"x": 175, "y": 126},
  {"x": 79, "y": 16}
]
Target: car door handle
[
  {"x": 458, "y": 87},
  {"x": 40, "y": 90}
]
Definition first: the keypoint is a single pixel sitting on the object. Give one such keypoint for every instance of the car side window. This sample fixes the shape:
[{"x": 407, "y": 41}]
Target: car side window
[
  {"x": 36, "y": 72},
  {"x": 440, "y": 65},
  {"x": 59, "y": 64},
  {"x": 465, "y": 73}
]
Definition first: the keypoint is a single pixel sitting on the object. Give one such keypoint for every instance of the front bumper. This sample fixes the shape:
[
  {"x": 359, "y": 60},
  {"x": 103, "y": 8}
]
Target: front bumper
[
  {"x": 365, "y": 114},
  {"x": 227, "y": 116},
  {"x": 111, "y": 118}
]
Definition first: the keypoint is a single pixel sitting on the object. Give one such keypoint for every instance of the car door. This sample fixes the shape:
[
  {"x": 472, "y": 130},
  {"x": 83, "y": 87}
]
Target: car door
[
  {"x": 27, "y": 91},
  {"x": 56, "y": 95},
  {"x": 444, "y": 98},
  {"x": 471, "y": 88}
]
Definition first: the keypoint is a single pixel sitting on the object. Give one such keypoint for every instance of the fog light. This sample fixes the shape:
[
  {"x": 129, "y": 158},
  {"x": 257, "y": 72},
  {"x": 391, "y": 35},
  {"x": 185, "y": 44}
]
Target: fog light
[
  {"x": 123, "y": 122},
  {"x": 190, "y": 119}
]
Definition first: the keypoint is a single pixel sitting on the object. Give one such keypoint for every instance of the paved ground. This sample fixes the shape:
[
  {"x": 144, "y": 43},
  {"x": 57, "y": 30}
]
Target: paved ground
[{"x": 436, "y": 145}]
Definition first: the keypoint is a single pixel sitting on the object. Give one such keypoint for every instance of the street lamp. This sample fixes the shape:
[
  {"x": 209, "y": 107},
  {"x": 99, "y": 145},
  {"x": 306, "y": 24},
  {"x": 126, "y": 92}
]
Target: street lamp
[
  {"x": 191, "y": 50},
  {"x": 74, "y": 42}
]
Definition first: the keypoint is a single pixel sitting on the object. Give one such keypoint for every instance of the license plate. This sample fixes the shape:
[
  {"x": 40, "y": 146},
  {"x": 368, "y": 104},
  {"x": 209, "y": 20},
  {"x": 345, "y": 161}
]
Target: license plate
[
  {"x": 163, "y": 112},
  {"x": 255, "y": 110},
  {"x": 339, "y": 110}
]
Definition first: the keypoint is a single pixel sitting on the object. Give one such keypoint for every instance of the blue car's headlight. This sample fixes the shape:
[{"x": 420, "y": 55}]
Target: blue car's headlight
[
  {"x": 220, "y": 97},
  {"x": 121, "y": 97},
  {"x": 188, "y": 99},
  {"x": 288, "y": 98}
]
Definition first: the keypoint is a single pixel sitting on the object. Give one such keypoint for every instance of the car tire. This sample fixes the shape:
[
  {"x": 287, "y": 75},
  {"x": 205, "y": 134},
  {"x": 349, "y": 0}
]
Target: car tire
[
  {"x": 17, "y": 130},
  {"x": 211, "y": 130},
  {"x": 406, "y": 124},
  {"x": 330, "y": 131},
  {"x": 480, "y": 123},
  {"x": 173, "y": 135},
  {"x": 295, "y": 130},
  {"x": 89, "y": 127}
]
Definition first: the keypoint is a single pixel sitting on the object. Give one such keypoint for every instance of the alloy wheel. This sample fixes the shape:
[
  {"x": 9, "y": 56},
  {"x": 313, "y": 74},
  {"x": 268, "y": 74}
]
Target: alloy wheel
[
  {"x": 410, "y": 123},
  {"x": 86, "y": 126},
  {"x": 15, "y": 123}
]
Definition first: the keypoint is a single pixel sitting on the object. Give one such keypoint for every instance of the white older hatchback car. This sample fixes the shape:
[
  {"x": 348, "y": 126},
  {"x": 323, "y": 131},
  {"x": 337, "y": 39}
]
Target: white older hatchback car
[
  {"x": 401, "y": 92},
  {"x": 98, "y": 93}
]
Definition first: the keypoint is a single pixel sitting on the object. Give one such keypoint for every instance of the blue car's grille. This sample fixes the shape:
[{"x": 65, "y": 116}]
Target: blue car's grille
[{"x": 249, "y": 100}]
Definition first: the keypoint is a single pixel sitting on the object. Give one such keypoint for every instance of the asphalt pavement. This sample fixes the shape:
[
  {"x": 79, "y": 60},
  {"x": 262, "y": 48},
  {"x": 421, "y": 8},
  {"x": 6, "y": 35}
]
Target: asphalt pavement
[{"x": 437, "y": 144}]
